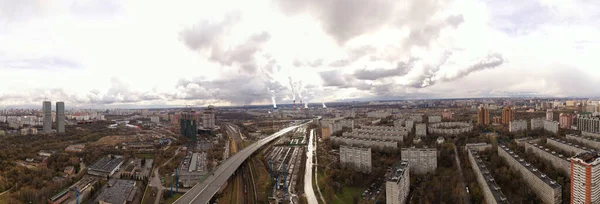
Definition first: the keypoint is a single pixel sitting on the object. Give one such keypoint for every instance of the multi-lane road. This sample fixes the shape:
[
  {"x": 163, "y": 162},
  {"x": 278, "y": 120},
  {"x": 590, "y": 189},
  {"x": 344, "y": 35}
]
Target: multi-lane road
[{"x": 205, "y": 190}]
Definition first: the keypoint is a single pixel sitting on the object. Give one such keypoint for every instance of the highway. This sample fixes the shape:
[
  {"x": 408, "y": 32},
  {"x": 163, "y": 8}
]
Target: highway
[{"x": 205, "y": 190}]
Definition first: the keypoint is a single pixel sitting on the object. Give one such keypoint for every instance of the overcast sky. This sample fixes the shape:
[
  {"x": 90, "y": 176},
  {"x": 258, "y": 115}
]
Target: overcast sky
[{"x": 121, "y": 53}]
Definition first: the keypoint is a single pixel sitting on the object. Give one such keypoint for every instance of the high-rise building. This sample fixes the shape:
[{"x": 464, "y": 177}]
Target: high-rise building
[
  {"x": 549, "y": 114},
  {"x": 397, "y": 185},
  {"x": 208, "y": 117},
  {"x": 588, "y": 123},
  {"x": 47, "y": 111},
  {"x": 565, "y": 120},
  {"x": 508, "y": 114},
  {"x": 356, "y": 157},
  {"x": 585, "y": 174},
  {"x": 483, "y": 116},
  {"x": 187, "y": 124},
  {"x": 422, "y": 160},
  {"x": 60, "y": 117}
]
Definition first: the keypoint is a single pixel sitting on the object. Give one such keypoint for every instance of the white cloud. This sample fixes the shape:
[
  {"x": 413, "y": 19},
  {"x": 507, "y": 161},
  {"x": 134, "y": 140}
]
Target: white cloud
[{"x": 125, "y": 53}]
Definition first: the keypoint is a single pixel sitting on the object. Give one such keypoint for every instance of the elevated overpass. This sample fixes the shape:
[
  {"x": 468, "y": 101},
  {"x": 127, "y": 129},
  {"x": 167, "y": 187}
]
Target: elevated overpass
[{"x": 205, "y": 190}]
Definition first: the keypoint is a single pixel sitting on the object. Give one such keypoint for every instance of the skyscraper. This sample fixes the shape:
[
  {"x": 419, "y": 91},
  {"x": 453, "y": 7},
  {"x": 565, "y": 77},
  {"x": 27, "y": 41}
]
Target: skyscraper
[
  {"x": 585, "y": 173},
  {"x": 208, "y": 117},
  {"x": 60, "y": 117},
  {"x": 47, "y": 111},
  {"x": 187, "y": 124},
  {"x": 508, "y": 114},
  {"x": 483, "y": 116}
]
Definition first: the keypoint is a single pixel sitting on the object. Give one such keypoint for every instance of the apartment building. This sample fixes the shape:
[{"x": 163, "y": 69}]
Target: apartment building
[
  {"x": 393, "y": 137},
  {"x": 568, "y": 147},
  {"x": 588, "y": 123},
  {"x": 590, "y": 141},
  {"x": 585, "y": 174},
  {"x": 421, "y": 130},
  {"x": 356, "y": 157},
  {"x": 378, "y": 145},
  {"x": 397, "y": 185},
  {"x": 517, "y": 125},
  {"x": 558, "y": 161},
  {"x": 565, "y": 120},
  {"x": 450, "y": 128},
  {"x": 492, "y": 193},
  {"x": 434, "y": 119},
  {"x": 544, "y": 187},
  {"x": 422, "y": 160}
]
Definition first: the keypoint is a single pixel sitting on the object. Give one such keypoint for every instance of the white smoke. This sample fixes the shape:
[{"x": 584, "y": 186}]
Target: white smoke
[
  {"x": 324, "y": 106},
  {"x": 273, "y": 99},
  {"x": 292, "y": 87}
]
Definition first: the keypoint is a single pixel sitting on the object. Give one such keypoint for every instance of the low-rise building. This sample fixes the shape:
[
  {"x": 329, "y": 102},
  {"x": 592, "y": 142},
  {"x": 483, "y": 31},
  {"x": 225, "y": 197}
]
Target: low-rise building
[
  {"x": 356, "y": 157},
  {"x": 422, "y": 160},
  {"x": 75, "y": 148},
  {"x": 492, "y": 193},
  {"x": 106, "y": 166},
  {"x": 544, "y": 187},
  {"x": 117, "y": 191},
  {"x": 397, "y": 185},
  {"x": 517, "y": 125}
]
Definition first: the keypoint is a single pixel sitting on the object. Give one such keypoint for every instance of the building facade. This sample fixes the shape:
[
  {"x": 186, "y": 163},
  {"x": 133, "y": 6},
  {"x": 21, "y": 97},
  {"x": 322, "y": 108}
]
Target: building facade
[
  {"x": 517, "y": 125},
  {"x": 376, "y": 145},
  {"x": 450, "y": 128},
  {"x": 585, "y": 175},
  {"x": 550, "y": 115},
  {"x": 508, "y": 114},
  {"x": 483, "y": 116},
  {"x": 422, "y": 160},
  {"x": 47, "y": 111},
  {"x": 544, "y": 187},
  {"x": 565, "y": 120},
  {"x": 421, "y": 130},
  {"x": 60, "y": 117},
  {"x": 397, "y": 185},
  {"x": 558, "y": 161},
  {"x": 588, "y": 123},
  {"x": 492, "y": 193},
  {"x": 356, "y": 157},
  {"x": 434, "y": 119},
  {"x": 208, "y": 117}
]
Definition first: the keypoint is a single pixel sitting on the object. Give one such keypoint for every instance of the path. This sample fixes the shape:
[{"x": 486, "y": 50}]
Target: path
[
  {"x": 462, "y": 177},
  {"x": 308, "y": 187},
  {"x": 155, "y": 181},
  {"x": 316, "y": 170}
]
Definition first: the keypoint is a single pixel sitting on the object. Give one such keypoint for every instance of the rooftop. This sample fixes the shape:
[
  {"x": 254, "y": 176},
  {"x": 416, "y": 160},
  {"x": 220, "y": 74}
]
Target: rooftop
[
  {"x": 531, "y": 168},
  {"x": 106, "y": 164},
  {"x": 117, "y": 191},
  {"x": 491, "y": 183},
  {"x": 548, "y": 150},
  {"x": 590, "y": 158},
  {"x": 397, "y": 172}
]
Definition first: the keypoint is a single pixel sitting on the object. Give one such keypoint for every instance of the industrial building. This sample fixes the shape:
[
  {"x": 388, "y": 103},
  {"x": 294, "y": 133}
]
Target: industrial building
[
  {"x": 47, "y": 111},
  {"x": 106, "y": 166},
  {"x": 356, "y": 157},
  {"x": 60, "y": 117},
  {"x": 585, "y": 173},
  {"x": 517, "y": 125},
  {"x": 378, "y": 145},
  {"x": 192, "y": 168},
  {"x": 397, "y": 185},
  {"x": 492, "y": 193},
  {"x": 588, "y": 123},
  {"x": 422, "y": 160},
  {"x": 450, "y": 128},
  {"x": 117, "y": 191},
  {"x": 544, "y": 187},
  {"x": 208, "y": 117}
]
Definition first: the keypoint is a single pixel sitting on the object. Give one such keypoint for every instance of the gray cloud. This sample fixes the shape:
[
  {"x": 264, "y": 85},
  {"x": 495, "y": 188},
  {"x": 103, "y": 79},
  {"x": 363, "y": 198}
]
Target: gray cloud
[
  {"x": 490, "y": 61},
  {"x": 208, "y": 37},
  {"x": 423, "y": 35},
  {"x": 335, "y": 78},
  {"x": 344, "y": 19},
  {"x": 402, "y": 68}
]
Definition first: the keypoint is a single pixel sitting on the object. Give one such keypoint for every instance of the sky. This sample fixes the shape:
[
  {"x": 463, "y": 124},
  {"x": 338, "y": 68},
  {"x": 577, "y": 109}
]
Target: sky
[{"x": 134, "y": 53}]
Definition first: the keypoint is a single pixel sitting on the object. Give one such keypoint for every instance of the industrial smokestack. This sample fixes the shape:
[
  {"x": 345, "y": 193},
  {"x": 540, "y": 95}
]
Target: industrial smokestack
[{"x": 294, "y": 104}]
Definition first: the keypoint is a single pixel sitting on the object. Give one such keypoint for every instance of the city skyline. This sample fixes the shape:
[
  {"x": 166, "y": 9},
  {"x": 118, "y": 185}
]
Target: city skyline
[{"x": 111, "y": 54}]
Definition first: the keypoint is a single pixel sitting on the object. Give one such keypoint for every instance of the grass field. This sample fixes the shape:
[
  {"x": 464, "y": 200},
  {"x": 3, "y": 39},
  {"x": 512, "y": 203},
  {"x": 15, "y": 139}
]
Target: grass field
[
  {"x": 174, "y": 198},
  {"x": 347, "y": 195}
]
